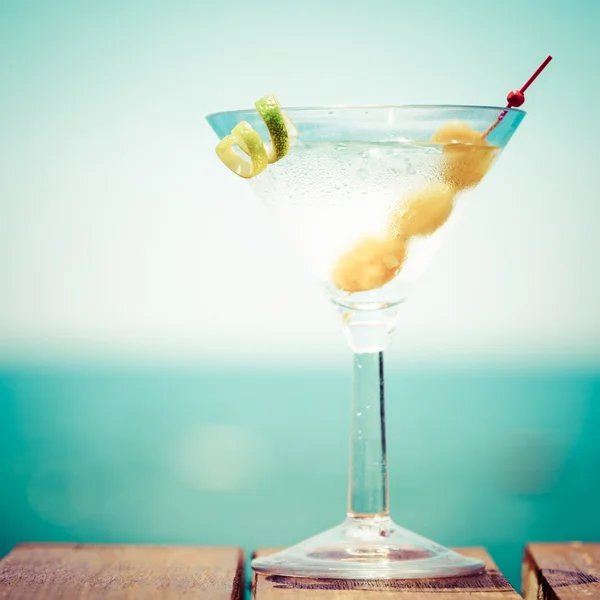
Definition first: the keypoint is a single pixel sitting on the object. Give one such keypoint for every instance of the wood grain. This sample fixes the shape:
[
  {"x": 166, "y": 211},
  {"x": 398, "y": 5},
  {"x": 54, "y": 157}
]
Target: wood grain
[
  {"x": 561, "y": 571},
  {"x": 490, "y": 586},
  {"x": 94, "y": 572}
]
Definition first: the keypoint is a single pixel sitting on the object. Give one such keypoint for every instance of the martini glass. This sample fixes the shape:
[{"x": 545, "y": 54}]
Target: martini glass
[{"x": 356, "y": 196}]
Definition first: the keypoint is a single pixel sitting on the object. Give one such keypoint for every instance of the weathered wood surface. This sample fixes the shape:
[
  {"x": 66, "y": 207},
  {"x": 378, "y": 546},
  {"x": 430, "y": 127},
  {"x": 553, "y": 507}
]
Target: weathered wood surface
[
  {"x": 561, "y": 571},
  {"x": 94, "y": 572},
  {"x": 490, "y": 586}
]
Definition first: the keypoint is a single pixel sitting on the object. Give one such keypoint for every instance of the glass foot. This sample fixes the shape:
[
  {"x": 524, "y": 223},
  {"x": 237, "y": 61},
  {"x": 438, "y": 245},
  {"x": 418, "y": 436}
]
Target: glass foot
[{"x": 368, "y": 548}]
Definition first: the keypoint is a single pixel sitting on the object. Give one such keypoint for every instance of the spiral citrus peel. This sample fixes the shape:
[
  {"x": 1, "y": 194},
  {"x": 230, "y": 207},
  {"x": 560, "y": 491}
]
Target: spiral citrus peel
[{"x": 243, "y": 135}]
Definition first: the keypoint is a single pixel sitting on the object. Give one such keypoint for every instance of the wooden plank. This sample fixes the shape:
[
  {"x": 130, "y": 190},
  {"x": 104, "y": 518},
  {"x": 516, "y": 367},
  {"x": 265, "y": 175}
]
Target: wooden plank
[
  {"x": 492, "y": 585},
  {"x": 561, "y": 571},
  {"x": 94, "y": 572}
]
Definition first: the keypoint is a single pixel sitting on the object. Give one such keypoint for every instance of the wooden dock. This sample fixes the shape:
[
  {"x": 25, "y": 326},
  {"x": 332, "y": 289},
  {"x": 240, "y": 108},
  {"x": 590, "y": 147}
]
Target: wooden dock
[{"x": 566, "y": 571}]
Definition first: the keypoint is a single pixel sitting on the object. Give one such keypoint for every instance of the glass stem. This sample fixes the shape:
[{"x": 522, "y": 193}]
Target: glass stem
[{"x": 368, "y": 481}]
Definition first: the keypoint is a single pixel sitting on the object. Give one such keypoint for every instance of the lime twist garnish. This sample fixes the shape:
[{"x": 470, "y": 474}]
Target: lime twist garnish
[
  {"x": 280, "y": 128},
  {"x": 250, "y": 143}
]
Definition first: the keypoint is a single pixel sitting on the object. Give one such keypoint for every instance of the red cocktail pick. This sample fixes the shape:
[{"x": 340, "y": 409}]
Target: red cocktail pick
[{"x": 516, "y": 98}]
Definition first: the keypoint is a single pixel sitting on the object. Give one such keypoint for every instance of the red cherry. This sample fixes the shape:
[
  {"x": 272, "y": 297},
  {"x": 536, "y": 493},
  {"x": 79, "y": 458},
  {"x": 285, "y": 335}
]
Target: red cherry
[{"x": 515, "y": 98}]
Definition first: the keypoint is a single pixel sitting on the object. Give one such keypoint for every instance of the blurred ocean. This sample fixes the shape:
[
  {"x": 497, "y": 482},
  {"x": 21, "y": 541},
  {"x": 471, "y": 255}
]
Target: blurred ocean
[{"x": 257, "y": 457}]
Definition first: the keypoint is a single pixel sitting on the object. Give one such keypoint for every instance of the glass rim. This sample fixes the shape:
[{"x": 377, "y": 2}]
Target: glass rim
[{"x": 349, "y": 107}]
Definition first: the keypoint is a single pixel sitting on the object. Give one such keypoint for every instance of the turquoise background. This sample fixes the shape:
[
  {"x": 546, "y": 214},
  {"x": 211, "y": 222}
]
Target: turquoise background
[{"x": 169, "y": 374}]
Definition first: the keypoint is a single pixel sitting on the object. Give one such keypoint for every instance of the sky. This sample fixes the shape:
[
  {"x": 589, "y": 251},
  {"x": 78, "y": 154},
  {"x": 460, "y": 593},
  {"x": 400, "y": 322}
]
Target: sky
[{"x": 122, "y": 238}]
